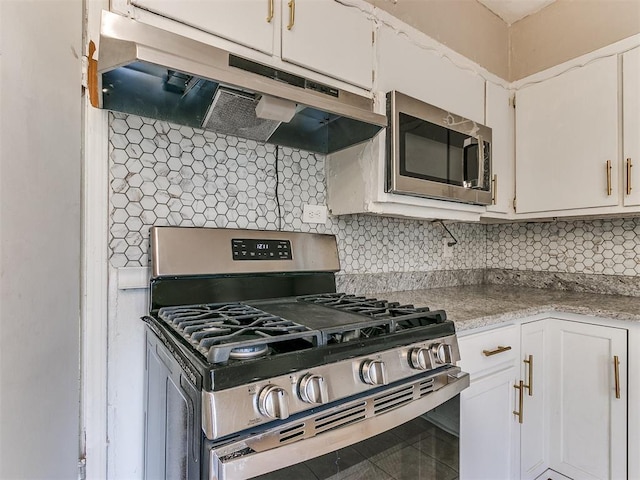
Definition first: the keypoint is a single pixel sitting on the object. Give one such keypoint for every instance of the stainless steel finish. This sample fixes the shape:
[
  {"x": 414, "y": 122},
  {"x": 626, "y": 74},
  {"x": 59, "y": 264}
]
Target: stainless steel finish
[
  {"x": 373, "y": 372},
  {"x": 442, "y": 353},
  {"x": 210, "y": 252},
  {"x": 398, "y": 183},
  {"x": 273, "y": 402},
  {"x": 420, "y": 359},
  {"x": 313, "y": 389},
  {"x": 228, "y": 411},
  {"x": 362, "y": 418},
  {"x": 126, "y": 42}
]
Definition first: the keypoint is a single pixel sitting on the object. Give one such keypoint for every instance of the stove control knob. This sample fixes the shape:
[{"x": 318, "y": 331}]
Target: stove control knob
[
  {"x": 373, "y": 372},
  {"x": 273, "y": 402},
  {"x": 313, "y": 389},
  {"x": 442, "y": 352},
  {"x": 420, "y": 359}
]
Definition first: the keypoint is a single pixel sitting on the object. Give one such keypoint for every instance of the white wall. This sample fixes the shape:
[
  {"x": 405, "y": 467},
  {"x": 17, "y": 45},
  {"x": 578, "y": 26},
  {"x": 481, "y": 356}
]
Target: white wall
[{"x": 40, "y": 147}]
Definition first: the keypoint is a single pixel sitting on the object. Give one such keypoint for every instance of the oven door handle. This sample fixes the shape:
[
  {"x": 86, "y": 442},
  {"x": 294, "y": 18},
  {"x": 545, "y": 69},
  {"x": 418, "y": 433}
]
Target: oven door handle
[{"x": 225, "y": 464}]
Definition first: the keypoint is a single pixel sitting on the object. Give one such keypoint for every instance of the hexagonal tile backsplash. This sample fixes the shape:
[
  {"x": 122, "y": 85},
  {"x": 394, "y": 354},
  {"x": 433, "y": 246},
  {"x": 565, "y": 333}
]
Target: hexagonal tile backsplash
[
  {"x": 610, "y": 247},
  {"x": 165, "y": 174}
]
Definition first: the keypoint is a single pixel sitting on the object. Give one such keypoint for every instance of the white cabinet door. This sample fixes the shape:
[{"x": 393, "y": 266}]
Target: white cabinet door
[
  {"x": 488, "y": 428},
  {"x": 330, "y": 38},
  {"x": 500, "y": 117},
  {"x": 533, "y": 431},
  {"x": 631, "y": 125},
  {"x": 588, "y": 424},
  {"x": 405, "y": 66},
  {"x": 566, "y": 131},
  {"x": 246, "y": 22}
]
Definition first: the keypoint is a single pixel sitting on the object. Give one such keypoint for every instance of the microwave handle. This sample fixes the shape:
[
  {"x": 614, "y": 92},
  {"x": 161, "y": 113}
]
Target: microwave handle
[
  {"x": 481, "y": 159},
  {"x": 468, "y": 144}
]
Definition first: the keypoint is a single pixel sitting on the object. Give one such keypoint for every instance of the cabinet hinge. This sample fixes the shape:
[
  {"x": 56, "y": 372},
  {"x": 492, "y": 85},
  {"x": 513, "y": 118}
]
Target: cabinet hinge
[
  {"x": 82, "y": 468},
  {"x": 512, "y": 101},
  {"x": 85, "y": 71}
]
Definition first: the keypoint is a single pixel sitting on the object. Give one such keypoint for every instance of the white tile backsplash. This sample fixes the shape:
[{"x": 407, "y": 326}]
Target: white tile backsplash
[
  {"x": 166, "y": 174},
  {"x": 607, "y": 247}
]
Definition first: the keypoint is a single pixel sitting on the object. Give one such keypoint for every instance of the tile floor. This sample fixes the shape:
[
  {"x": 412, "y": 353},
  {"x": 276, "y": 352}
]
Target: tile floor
[{"x": 416, "y": 450}]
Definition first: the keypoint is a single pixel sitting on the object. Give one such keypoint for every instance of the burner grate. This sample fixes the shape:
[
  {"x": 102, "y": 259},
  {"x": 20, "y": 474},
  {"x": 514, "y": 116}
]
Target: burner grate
[{"x": 233, "y": 330}]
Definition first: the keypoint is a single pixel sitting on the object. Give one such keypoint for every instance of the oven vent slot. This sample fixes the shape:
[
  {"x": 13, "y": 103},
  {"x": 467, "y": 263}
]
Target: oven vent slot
[
  {"x": 339, "y": 419},
  {"x": 292, "y": 433},
  {"x": 425, "y": 388},
  {"x": 393, "y": 400}
]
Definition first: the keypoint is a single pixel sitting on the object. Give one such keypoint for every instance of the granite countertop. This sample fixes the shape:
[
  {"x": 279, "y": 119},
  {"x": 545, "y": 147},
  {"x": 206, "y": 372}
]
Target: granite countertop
[{"x": 477, "y": 306}]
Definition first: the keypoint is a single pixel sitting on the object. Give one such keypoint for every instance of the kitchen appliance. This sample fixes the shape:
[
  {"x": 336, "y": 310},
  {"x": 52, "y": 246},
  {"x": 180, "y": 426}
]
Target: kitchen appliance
[
  {"x": 147, "y": 71},
  {"x": 436, "y": 154},
  {"x": 255, "y": 363}
]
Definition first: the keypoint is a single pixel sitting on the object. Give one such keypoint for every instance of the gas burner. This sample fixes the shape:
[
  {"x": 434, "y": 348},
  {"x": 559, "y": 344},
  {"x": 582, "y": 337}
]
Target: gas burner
[
  {"x": 248, "y": 352},
  {"x": 233, "y": 331},
  {"x": 406, "y": 316}
]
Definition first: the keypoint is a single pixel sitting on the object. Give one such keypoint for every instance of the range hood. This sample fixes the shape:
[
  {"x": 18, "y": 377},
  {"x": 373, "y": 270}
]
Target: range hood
[{"x": 147, "y": 71}]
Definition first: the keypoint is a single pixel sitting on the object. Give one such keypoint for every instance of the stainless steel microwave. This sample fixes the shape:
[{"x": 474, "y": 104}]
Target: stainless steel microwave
[{"x": 435, "y": 154}]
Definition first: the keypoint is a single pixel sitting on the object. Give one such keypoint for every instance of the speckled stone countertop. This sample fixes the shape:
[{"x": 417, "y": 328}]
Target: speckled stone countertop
[{"x": 477, "y": 306}]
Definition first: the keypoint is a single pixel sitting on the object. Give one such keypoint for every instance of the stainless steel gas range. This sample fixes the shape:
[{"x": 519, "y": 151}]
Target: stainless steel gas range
[{"x": 255, "y": 363}]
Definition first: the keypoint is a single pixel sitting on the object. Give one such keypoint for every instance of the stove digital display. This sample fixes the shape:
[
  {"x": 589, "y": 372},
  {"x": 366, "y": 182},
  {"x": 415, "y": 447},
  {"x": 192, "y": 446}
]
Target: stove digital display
[{"x": 252, "y": 249}]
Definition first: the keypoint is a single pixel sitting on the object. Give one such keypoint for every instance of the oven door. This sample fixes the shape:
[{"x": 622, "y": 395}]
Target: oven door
[
  {"x": 433, "y": 153},
  {"x": 317, "y": 440}
]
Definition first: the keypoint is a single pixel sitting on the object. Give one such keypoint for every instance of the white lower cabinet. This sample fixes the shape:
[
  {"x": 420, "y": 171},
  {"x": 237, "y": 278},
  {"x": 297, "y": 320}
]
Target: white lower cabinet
[
  {"x": 547, "y": 397},
  {"x": 488, "y": 434},
  {"x": 588, "y": 393},
  {"x": 533, "y": 431}
]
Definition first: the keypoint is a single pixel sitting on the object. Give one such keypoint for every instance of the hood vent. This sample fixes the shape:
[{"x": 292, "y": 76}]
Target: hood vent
[{"x": 153, "y": 73}]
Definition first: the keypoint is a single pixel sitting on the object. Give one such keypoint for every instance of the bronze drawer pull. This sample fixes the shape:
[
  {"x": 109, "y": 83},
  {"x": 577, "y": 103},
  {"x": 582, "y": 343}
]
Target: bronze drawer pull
[{"x": 500, "y": 349}]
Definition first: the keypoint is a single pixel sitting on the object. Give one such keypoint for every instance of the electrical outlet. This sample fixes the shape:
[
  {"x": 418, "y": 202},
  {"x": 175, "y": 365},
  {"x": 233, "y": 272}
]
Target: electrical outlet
[
  {"x": 447, "y": 251},
  {"x": 314, "y": 214}
]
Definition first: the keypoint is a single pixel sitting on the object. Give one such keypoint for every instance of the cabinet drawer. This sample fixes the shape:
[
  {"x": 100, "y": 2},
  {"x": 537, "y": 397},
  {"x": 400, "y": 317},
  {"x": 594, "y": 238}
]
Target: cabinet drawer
[{"x": 489, "y": 350}]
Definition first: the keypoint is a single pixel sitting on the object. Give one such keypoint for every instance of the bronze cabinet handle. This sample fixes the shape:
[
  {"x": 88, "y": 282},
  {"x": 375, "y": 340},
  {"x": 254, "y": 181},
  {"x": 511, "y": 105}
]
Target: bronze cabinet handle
[
  {"x": 494, "y": 190},
  {"x": 529, "y": 387},
  {"x": 500, "y": 349},
  {"x": 616, "y": 371},
  {"x": 609, "y": 189},
  {"x": 519, "y": 413},
  {"x": 270, "y": 15},
  {"x": 292, "y": 14},
  {"x": 629, "y": 165}
]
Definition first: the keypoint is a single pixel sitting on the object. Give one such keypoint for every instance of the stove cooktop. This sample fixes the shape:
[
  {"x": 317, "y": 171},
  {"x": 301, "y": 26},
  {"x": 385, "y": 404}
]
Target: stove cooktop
[{"x": 223, "y": 332}]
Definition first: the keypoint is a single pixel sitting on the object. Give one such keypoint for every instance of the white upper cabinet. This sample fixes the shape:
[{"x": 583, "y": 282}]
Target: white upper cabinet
[
  {"x": 567, "y": 133},
  {"x": 631, "y": 126},
  {"x": 407, "y": 66},
  {"x": 500, "y": 118},
  {"x": 330, "y": 38},
  {"x": 319, "y": 35},
  {"x": 247, "y": 22}
]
